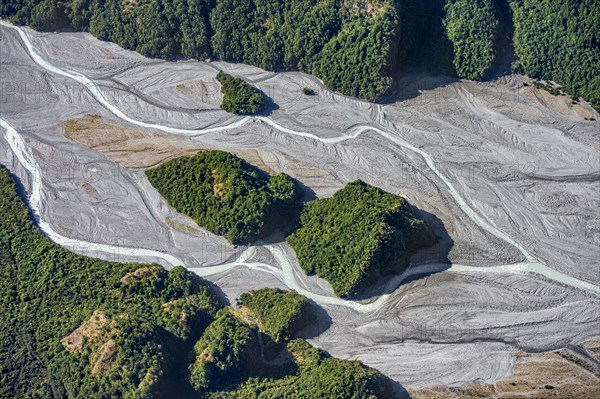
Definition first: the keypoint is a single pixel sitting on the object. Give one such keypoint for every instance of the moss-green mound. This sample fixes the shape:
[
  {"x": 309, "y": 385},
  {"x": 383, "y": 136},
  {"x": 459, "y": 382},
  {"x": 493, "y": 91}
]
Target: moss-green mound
[
  {"x": 278, "y": 313},
  {"x": 356, "y": 236},
  {"x": 219, "y": 351},
  {"x": 239, "y": 97},
  {"x": 317, "y": 375},
  {"x": 226, "y": 195}
]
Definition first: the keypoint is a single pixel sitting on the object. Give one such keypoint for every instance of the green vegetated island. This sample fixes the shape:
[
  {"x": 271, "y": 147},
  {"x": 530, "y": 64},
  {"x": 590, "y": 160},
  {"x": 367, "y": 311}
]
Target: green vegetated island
[
  {"x": 357, "y": 47},
  {"x": 350, "y": 240},
  {"x": 226, "y": 195},
  {"x": 358, "y": 235},
  {"x": 73, "y": 326},
  {"x": 240, "y": 97}
]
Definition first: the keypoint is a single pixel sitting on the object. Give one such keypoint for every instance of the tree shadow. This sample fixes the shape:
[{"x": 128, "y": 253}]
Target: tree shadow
[
  {"x": 503, "y": 45},
  {"x": 411, "y": 84},
  {"x": 435, "y": 255},
  {"x": 308, "y": 194},
  {"x": 270, "y": 104},
  {"x": 216, "y": 290},
  {"x": 318, "y": 321},
  {"x": 397, "y": 389},
  {"x": 292, "y": 216},
  {"x": 428, "y": 48}
]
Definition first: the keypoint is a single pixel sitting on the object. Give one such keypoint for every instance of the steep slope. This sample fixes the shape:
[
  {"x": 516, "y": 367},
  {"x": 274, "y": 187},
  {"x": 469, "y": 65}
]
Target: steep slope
[
  {"x": 358, "y": 235},
  {"x": 77, "y": 326},
  {"x": 74, "y": 326},
  {"x": 349, "y": 44}
]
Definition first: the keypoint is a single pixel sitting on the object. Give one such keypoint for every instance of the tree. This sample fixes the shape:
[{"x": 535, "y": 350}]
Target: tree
[
  {"x": 239, "y": 97},
  {"x": 471, "y": 26}
]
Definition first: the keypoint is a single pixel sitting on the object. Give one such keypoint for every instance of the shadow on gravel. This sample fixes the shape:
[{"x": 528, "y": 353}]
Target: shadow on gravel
[
  {"x": 216, "y": 289},
  {"x": 318, "y": 323},
  {"x": 308, "y": 194},
  {"x": 278, "y": 235},
  {"x": 437, "y": 253},
  {"x": 411, "y": 86},
  {"x": 398, "y": 390},
  {"x": 270, "y": 105}
]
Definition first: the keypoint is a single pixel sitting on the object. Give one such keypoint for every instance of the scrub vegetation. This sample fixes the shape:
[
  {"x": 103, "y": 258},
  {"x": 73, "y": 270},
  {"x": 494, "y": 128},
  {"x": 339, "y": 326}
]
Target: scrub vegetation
[
  {"x": 240, "y": 97},
  {"x": 354, "y": 47},
  {"x": 351, "y": 45},
  {"x": 358, "y": 235},
  {"x": 74, "y": 326},
  {"x": 560, "y": 41},
  {"x": 315, "y": 375},
  {"x": 471, "y": 26},
  {"x": 278, "y": 313},
  {"x": 350, "y": 240},
  {"x": 226, "y": 195}
]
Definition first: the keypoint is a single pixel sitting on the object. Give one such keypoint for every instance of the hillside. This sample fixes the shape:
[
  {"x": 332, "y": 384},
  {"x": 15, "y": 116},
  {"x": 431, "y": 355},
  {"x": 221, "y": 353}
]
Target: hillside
[
  {"x": 560, "y": 41},
  {"x": 226, "y": 195},
  {"x": 351, "y": 45},
  {"x": 77, "y": 326},
  {"x": 277, "y": 313},
  {"x": 317, "y": 375},
  {"x": 358, "y": 235},
  {"x": 74, "y": 326},
  {"x": 354, "y": 47}
]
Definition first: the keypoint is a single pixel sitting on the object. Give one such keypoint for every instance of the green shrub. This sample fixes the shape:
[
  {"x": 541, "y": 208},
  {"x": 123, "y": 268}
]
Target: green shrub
[
  {"x": 357, "y": 235},
  {"x": 219, "y": 351},
  {"x": 239, "y": 97},
  {"x": 355, "y": 47},
  {"x": 226, "y": 195},
  {"x": 318, "y": 376},
  {"x": 153, "y": 317},
  {"x": 351, "y": 45},
  {"x": 558, "y": 40},
  {"x": 46, "y": 292},
  {"x": 278, "y": 313},
  {"x": 471, "y": 26}
]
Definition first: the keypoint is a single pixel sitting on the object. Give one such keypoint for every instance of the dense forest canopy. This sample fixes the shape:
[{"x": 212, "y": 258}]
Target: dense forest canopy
[
  {"x": 356, "y": 236},
  {"x": 349, "y": 44},
  {"x": 315, "y": 375},
  {"x": 79, "y": 327},
  {"x": 278, "y": 313},
  {"x": 471, "y": 26},
  {"x": 239, "y": 97},
  {"x": 219, "y": 353},
  {"x": 226, "y": 195},
  {"x": 356, "y": 47},
  {"x": 560, "y": 41},
  {"x": 73, "y": 326}
]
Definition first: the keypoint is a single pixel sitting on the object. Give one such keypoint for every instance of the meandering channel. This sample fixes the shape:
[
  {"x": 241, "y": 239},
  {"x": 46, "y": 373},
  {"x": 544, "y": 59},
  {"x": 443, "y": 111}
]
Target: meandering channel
[{"x": 286, "y": 274}]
